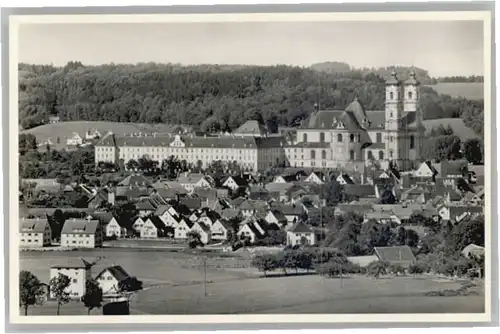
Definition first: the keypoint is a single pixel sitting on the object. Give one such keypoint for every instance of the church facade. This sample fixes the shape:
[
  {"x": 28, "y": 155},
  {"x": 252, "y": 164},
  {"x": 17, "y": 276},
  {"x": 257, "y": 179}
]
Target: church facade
[{"x": 354, "y": 138}]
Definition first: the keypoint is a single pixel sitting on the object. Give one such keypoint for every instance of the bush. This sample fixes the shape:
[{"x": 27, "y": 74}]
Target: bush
[
  {"x": 377, "y": 268},
  {"x": 416, "y": 268},
  {"x": 396, "y": 269},
  {"x": 265, "y": 262}
]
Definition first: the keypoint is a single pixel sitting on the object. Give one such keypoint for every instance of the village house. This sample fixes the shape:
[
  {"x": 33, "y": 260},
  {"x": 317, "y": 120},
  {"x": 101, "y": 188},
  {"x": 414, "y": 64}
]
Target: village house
[
  {"x": 426, "y": 171},
  {"x": 203, "y": 230},
  {"x": 78, "y": 272},
  {"x": 92, "y": 134},
  {"x": 396, "y": 255},
  {"x": 276, "y": 217},
  {"x": 208, "y": 217},
  {"x": 473, "y": 250},
  {"x": 235, "y": 182},
  {"x": 154, "y": 228},
  {"x": 290, "y": 178},
  {"x": 35, "y": 233},
  {"x": 220, "y": 230},
  {"x": 80, "y": 233},
  {"x": 457, "y": 212},
  {"x": 182, "y": 230},
  {"x": 137, "y": 225},
  {"x": 250, "y": 231},
  {"x": 343, "y": 179},
  {"x": 75, "y": 140},
  {"x": 168, "y": 215},
  {"x": 452, "y": 169},
  {"x": 300, "y": 234},
  {"x": 135, "y": 180},
  {"x": 101, "y": 198},
  {"x": 192, "y": 181},
  {"x": 110, "y": 278},
  {"x": 145, "y": 208},
  {"x": 54, "y": 119},
  {"x": 115, "y": 228},
  {"x": 292, "y": 213},
  {"x": 316, "y": 177},
  {"x": 471, "y": 198}
]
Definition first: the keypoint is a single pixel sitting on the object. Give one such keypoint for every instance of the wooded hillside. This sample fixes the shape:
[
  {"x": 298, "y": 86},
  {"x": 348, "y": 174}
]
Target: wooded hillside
[{"x": 208, "y": 96}]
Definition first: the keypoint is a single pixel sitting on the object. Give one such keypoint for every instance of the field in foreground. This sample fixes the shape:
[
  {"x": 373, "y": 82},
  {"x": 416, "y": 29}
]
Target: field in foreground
[
  {"x": 468, "y": 90},
  {"x": 174, "y": 284}
]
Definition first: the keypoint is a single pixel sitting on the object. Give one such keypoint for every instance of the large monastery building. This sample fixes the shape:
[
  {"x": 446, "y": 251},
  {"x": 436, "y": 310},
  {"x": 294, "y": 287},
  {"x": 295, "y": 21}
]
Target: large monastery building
[
  {"x": 353, "y": 137},
  {"x": 334, "y": 139}
]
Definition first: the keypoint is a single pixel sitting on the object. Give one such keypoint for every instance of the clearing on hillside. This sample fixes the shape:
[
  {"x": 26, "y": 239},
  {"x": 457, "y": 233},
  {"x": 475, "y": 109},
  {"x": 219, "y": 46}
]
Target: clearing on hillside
[
  {"x": 468, "y": 90},
  {"x": 65, "y": 130},
  {"x": 457, "y": 124}
]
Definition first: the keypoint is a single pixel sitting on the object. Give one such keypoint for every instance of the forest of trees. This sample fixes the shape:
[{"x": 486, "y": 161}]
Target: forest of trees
[{"x": 210, "y": 96}]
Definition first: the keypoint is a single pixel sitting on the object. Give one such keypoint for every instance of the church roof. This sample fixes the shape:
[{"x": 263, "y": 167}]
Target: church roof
[
  {"x": 393, "y": 80},
  {"x": 412, "y": 80},
  {"x": 358, "y": 110}
]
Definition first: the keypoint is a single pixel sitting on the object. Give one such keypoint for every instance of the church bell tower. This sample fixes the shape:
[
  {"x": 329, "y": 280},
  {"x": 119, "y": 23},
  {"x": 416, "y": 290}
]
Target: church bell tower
[{"x": 394, "y": 128}]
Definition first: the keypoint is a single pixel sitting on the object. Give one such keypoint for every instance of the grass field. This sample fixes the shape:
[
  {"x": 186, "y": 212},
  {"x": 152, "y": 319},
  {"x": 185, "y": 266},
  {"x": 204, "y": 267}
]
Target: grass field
[
  {"x": 174, "y": 284},
  {"x": 468, "y": 90},
  {"x": 457, "y": 124},
  {"x": 65, "y": 130}
]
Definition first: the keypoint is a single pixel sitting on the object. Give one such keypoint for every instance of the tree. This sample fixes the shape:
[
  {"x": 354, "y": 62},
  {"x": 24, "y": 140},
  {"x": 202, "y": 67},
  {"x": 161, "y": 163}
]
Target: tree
[
  {"x": 416, "y": 268},
  {"x": 58, "y": 289},
  {"x": 332, "y": 192},
  {"x": 443, "y": 148},
  {"x": 377, "y": 268},
  {"x": 194, "y": 238},
  {"x": 387, "y": 197},
  {"x": 265, "y": 262},
  {"x": 93, "y": 295},
  {"x": 132, "y": 164},
  {"x": 130, "y": 284},
  {"x": 472, "y": 151},
  {"x": 30, "y": 290}
]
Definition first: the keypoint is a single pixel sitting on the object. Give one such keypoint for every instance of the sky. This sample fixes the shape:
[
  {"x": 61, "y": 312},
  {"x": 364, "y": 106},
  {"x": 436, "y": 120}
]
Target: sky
[{"x": 444, "y": 48}]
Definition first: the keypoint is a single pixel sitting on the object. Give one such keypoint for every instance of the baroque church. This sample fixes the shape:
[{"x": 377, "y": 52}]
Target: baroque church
[{"x": 354, "y": 138}]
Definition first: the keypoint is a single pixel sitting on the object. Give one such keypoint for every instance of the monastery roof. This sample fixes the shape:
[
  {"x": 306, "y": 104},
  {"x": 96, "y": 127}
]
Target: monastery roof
[
  {"x": 223, "y": 141},
  {"x": 251, "y": 127}
]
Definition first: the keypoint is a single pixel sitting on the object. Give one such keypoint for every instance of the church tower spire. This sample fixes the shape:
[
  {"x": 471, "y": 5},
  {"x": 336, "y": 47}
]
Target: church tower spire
[{"x": 393, "y": 115}]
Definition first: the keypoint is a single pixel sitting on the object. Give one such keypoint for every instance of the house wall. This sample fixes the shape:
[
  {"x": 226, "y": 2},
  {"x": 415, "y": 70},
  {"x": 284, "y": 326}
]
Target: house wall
[
  {"x": 78, "y": 278},
  {"x": 219, "y": 232},
  {"x": 149, "y": 231},
  {"x": 204, "y": 236},
  {"x": 293, "y": 238},
  {"x": 35, "y": 240},
  {"x": 79, "y": 240},
  {"x": 108, "y": 283},
  {"x": 245, "y": 231},
  {"x": 181, "y": 231},
  {"x": 113, "y": 228}
]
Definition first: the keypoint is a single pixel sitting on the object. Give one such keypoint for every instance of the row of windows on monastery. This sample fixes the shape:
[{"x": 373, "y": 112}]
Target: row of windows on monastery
[
  {"x": 340, "y": 137},
  {"x": 355, "y": 138}
]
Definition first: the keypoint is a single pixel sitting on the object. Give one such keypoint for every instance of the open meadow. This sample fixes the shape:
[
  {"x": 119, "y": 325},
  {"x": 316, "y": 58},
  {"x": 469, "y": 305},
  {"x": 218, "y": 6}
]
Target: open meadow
[
  {"x": 468, "y": 90},
  {"x": 65, "y": 130},
  {"x": 174, "y": 283}
]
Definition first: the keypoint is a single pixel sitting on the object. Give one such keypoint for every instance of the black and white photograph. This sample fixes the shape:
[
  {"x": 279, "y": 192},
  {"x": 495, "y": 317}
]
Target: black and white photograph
[{"x": 188, "y": 165}]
